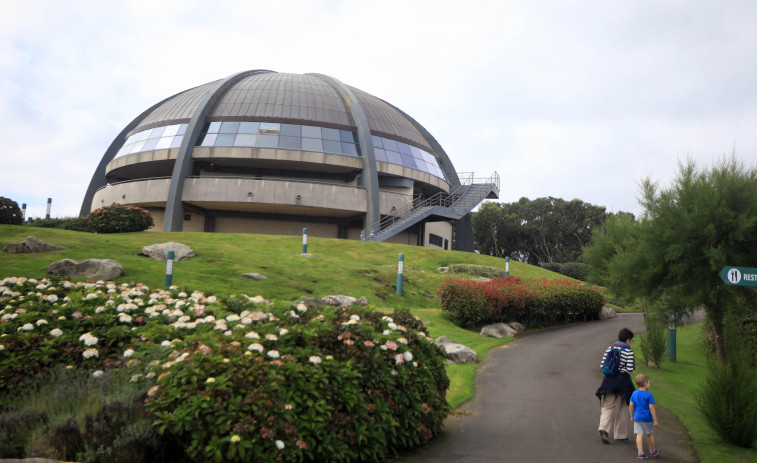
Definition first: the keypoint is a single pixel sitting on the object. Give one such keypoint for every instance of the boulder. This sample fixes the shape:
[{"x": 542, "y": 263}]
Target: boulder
[
  {"x": 498, "y": 330},
  {"x": 362, "y": 302},
  {"x": 340, "y": 300},
  {"x": 254, "y": 276},
  {"x": 455, "y": 352},
  {"x": 607, "y": 312},
  {"x": 32, "y": 245},
  {"x": 518, "y": 327},
  {"x": 159, "y": 251},
  {"x": 94, "y": 269},
  {"x": 443, "y": 269}
]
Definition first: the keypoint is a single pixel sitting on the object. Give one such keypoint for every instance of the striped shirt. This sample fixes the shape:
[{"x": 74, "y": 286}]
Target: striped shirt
[{"x": 627, "y": 360}]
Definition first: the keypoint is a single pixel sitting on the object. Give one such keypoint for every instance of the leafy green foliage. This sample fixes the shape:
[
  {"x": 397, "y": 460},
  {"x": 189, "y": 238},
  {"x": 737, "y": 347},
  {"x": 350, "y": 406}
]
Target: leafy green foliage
[
  {"x": 118, "y": 218},
  {"x": 578, "y": 270},
  {"x": 66, "y": 223},
  {"x": 654, "y": 341},
  {"x": 472, "y": 304},
  {"x": 10, "y": 213},
  {"x": 477, "y": 270},
  {"x": 727, "y": 396},
  {"x": 705, "y": 221},
  {"x": 536, "y": 231}
]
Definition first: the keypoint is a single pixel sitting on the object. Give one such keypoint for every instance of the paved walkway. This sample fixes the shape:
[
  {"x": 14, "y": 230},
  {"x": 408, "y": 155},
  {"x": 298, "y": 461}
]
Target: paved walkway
[{"x": 535, "y": 403}]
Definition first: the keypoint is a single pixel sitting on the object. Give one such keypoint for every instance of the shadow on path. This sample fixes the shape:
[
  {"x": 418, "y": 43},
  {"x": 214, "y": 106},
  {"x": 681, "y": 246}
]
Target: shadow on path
[{"x": 535, "y": 403}]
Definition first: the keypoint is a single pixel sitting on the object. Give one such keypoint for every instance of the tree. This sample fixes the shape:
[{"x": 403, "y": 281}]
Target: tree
[
  {"x": 536, "y": 231},
  {"x": 706, "y": 220}
]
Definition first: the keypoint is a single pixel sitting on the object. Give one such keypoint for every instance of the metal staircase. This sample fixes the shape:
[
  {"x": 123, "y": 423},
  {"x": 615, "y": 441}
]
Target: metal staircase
[{"x": 453, "y": 205}]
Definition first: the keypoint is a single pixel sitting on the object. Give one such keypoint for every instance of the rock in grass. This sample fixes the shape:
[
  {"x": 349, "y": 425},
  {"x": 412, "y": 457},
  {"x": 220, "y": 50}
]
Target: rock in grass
[
  {"x": 32, "y": 245},
  {"x": 457, "y": 353},
  {"x": 498, "y": 330},
  {"x": 254, "y": 276},
  {"x": 94, "y": 269},
  {"x": 159, "y": 251},
  {"x": 607, "y": 312}
]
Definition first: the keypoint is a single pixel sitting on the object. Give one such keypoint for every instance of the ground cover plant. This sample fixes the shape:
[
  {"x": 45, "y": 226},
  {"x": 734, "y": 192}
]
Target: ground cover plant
[
  {"x": 533, "y": 303},
  {"x": 221, "y": 379}
]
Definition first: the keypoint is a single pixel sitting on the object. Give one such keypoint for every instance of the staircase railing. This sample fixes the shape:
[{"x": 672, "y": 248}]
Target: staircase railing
[{"x": 463, "y": 192}]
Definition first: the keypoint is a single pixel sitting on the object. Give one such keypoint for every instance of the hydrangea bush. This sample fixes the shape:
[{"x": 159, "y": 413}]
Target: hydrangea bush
[
  {"x": 118, "y": 218},
  {"x": 10, "y": 213},
  {"x": 238, "y": 379}
]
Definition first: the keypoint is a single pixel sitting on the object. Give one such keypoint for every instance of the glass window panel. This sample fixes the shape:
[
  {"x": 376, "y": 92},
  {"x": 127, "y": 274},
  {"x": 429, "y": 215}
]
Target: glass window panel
[
  {"x": 349, "y": 149},
  {"x": 225, "y": 139},
  {"x": 380, "y": 154},
  {"x": 176, "y": 143},
  {"x": 404, "y": 148},
  {"x": 171, "y": 130},
  {"x": 408, "y": 161},
  {"x": 163, "y": 143},
  {"x": 416, "y": 152},
  {"x": 123, "y": 151},
  {"x": 393, "y": 157},
  {"x": 290, "y": 143},
  {"x": 229, "y": 127},
  {"x": 272, "y": 128},
  {"x": 291, "y": 130},
  {"x": 249, "y": 127},
  {"x": 330, "y": 134},
  {"x": 390, "y": 145},
  {"x": 156, "y": 132},
  {"x": 268, "y": 141},
  {"x": 245, "y": 139},
  {"x": 312, "y": 144},
  {"x": 131, "y": 139},
  {"x": 377, "y": 141},
  {"x": 347, "y": 137},
  {"x": 309, "y": 131},
  {"x": 137, "y": 147},
  {"x": 142, "y": 135},
  {"x": 428, "y": 157},
  {"x": 209, "y": 140},
  {"x": 150, "y": 144},
  {"x": 214, "y": 127},
  {"x": 182, "y": 129},
  {"x": 330, "y": 146}
]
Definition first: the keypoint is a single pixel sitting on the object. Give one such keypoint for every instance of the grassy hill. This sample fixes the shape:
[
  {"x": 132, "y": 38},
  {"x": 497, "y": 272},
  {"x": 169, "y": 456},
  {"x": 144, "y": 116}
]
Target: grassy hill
[{"x": 353, "y": 268}]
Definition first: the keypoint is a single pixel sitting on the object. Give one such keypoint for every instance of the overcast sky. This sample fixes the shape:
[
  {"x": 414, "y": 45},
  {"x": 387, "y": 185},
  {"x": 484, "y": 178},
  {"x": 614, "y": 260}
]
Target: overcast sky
[{"x": 571, "y": 99}]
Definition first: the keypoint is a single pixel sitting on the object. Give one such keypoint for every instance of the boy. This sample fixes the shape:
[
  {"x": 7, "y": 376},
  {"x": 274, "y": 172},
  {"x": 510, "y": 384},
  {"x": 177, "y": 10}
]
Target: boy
[{"x": 644, "y": 416}]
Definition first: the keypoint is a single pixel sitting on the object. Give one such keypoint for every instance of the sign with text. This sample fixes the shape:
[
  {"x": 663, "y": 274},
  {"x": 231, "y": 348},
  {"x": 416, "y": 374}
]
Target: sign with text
[{"x": 739, "y": 276}]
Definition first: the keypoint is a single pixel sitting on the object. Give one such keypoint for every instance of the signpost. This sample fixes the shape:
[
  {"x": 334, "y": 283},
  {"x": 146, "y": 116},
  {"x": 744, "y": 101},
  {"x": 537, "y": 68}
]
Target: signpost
[{"x": 739, "y": 276}]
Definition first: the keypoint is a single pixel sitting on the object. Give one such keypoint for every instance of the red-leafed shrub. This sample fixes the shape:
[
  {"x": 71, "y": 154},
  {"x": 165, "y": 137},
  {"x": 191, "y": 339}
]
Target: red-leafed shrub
[
  {"x": 532, "y": 302},
  {"x": 119, "y": 219}
]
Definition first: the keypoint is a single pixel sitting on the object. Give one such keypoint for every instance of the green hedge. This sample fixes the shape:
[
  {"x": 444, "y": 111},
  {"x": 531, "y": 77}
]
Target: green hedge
[
  {"x": 471, "y": 304},
  {"x": 577, "y": 270}
]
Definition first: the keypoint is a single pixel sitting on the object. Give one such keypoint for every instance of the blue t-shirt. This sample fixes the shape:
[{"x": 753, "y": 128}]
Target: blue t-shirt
[{"x": 641, "y": 400}]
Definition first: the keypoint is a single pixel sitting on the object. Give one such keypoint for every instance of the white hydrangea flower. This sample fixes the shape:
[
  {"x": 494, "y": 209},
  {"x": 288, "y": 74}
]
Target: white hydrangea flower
[{"x": 56, "y": 332}]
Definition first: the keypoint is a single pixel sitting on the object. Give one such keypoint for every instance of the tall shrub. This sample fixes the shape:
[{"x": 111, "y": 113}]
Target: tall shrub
[
  {"x": 118, "y": 218},
  {"x": 10, "y": 213},
  {"x": 727, "y": 396},
  {"x": 654, "y": 341}
]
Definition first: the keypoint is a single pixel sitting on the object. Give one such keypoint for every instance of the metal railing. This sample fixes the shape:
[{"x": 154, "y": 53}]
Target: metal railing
[{"x": 463, "y": 197}]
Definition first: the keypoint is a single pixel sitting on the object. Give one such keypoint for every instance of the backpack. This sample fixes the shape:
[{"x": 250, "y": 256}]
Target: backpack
[{"x": 611, "y": 364}]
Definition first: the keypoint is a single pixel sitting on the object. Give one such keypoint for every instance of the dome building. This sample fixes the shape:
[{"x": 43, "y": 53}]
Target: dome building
[{"x": 273, "y": 153}]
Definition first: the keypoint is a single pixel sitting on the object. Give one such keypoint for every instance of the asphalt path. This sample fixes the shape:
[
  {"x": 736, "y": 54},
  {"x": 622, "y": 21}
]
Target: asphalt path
[{"x": 535, "y": 403}]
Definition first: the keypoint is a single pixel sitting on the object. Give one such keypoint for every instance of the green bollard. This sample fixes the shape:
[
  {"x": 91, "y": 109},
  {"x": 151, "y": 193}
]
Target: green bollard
[
  {"x": 400, "y": 265},
  {"x": 507, "y": 266},
  {"x": 304, "y": 240},
  {"x": 169, "y": 268}
]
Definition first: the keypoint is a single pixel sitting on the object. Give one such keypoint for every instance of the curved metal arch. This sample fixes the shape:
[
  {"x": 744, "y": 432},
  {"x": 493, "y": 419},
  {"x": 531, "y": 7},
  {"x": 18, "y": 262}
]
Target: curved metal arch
[
  {"x": 464, "y": 226},
  {"x": 369, "y": 179},
  {"x": 98, "y": 178},
  {"x": 174, "y": 217}
]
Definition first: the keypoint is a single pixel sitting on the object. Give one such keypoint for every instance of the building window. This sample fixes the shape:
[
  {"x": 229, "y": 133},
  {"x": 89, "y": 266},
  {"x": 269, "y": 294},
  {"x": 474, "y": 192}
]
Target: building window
[{"x": 436, "y": 240}]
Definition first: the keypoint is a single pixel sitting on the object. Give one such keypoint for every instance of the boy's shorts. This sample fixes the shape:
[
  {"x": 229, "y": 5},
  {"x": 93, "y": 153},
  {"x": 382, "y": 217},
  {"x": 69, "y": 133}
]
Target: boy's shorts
[{"x": 646, "y": 427}]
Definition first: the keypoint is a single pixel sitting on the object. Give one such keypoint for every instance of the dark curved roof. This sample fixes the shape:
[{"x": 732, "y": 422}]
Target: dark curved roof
[{"x": 281, "y": 97}]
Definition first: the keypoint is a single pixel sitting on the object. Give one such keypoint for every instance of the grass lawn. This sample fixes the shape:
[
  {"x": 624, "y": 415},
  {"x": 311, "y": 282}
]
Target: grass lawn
[{"x": 675, "y": 387}]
